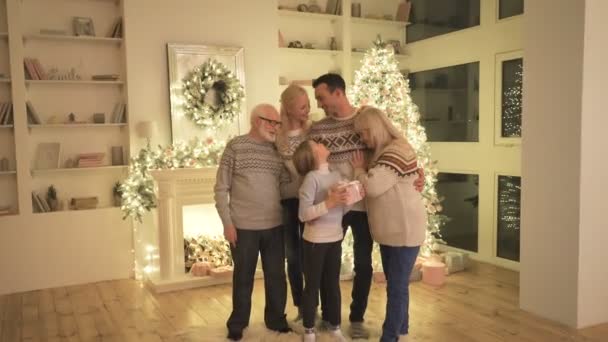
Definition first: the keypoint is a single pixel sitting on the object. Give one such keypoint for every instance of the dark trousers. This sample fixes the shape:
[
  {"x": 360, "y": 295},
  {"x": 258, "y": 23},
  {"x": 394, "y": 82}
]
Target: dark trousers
[
  {"x": 362, "y": 250},
  {"x": 250, "y": 243},
  {"x": 293, "y": 248},
  {"x": 321, "y": 271},
  {"x": 398, "y": 263}
]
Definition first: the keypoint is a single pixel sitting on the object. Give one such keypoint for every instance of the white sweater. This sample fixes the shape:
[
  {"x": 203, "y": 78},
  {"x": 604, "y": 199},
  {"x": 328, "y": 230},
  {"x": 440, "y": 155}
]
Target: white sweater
[
  {"x": 322, "y": 225},
  {"x": 396, "y": 212}
]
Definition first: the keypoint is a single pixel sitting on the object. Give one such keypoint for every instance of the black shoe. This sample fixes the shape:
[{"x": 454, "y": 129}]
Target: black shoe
[
  {"x": 284, "y": 330},
  {"x": 235, "y": 335}
]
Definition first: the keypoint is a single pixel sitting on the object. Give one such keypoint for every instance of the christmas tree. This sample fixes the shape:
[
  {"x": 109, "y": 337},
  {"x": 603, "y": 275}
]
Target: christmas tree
[
  {"x": 379, "y": 83},
  {"x": 511, "y": 106}
]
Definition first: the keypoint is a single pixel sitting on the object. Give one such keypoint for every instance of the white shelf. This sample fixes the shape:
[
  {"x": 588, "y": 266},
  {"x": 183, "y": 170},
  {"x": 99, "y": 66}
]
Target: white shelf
[
  {"x": 308, "y": 15},
  {"x": 4, "y": 35},
  {"x": 69, "y": 211},
  {"x": 361, "y": 54},
  {"x": 91, "y": 82},
  {"x": 8, "y": 173},
  {"x": 76, "y": 125},
  {"x": 79, "y": 169},
  {"x": 311, "y": 51},
  {"x": 393, "y": 23},
  {"x": 6, "y": 126},
  {"x": 88, "y": 39},
  {"x": 5, "y": 80}
]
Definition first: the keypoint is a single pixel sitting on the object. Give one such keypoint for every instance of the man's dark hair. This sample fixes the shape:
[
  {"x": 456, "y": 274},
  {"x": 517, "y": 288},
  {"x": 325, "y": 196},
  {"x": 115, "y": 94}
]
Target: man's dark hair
[{"x": 333, "y": 81}]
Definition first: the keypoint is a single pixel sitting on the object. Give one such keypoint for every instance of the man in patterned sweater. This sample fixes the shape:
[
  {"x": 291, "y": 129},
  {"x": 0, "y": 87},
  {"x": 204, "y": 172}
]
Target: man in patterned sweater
[
  {"x": 337, "y": 132},
  {"x": 247, "y": 198}
]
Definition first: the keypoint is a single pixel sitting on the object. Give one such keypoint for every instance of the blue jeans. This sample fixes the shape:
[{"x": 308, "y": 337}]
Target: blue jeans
[{"x": 398, "y": 263}]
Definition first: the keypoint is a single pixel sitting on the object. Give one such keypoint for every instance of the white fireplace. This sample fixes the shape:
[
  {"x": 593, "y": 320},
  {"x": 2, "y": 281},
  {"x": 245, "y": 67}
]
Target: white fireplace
[{"x": 185, "y": 197}]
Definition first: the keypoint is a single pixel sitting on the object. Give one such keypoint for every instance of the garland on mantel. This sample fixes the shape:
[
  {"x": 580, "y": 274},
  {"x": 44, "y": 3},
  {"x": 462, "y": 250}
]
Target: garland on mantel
[{"x": 138, "y": 195}]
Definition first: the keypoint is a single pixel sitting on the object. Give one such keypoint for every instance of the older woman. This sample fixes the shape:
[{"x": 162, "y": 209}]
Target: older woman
[
  {"x": 396, "y": 211},
  {"x": 295, "y": 109}
]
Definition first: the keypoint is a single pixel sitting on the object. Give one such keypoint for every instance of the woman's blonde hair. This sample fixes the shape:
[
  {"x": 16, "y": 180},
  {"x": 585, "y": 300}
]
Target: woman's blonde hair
[
  {"x": 381, "y": 130},
  {"x": 304, "y": 158},
  {"x": 288, "y": 98}
]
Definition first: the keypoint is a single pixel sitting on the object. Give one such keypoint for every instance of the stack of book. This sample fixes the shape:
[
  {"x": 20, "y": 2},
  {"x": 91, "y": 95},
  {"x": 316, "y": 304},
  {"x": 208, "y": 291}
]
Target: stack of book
[
  {"x": 84, "y": 203},
  {"x": 34, "y": 70},
  {"x": 116, "y": 31},
  {"x": 119, "y": 113},
  {"x": 105, "y": 77},
  {"x": 39, "y": 203},
  {"x": 6, "y": 113},
  {"x": 90, "y": 159},
  {"x": 32, "y": 116}
]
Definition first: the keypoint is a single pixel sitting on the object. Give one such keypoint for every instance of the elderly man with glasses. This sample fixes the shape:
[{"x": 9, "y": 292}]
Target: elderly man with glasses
[{"x": 247, "y": 198}]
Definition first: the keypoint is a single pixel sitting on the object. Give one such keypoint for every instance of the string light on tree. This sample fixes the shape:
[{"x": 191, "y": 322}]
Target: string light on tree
[
  {"x": 380, "y": 83},
  {"x": 512, "y": 104}
]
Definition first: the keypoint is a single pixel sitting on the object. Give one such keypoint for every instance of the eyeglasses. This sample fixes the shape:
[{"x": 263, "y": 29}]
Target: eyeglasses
[{"x": 273, "y": 123}]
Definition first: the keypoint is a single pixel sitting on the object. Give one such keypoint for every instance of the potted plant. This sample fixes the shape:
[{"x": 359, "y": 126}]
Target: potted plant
[
  {"x": 117, "y": 193},
  {"x": 51, "y": 198}
]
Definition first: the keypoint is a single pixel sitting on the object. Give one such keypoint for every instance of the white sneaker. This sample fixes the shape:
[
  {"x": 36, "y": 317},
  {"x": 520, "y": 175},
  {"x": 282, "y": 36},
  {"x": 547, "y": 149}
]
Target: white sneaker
[
  {"x": 309, "y": 337},
  {"x": 336, "y": 335}
]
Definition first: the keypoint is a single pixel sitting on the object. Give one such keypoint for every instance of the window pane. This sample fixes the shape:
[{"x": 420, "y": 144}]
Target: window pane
[
  {"x": 461, "y": 192},
  {"x": 430, "y": 18},
  {"x": 448, "y": 99},
  {"x": 509, "y": 8},
  {"x": 512, "y": 76},
  {"x": 509, "y": 196}
]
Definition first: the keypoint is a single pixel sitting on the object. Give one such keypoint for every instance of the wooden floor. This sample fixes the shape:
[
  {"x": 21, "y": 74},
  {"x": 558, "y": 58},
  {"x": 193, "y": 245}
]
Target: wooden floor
[{"x": 477, "y": 305}]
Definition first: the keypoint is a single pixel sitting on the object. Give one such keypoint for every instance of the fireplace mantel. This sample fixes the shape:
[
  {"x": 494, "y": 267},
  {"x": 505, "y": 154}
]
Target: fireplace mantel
[{"x": 176, "y": 189}]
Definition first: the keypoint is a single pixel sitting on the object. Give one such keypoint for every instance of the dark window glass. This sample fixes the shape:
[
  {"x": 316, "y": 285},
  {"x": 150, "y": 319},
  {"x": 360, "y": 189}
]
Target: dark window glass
[
  {"x": 448, "y": 100},
  {"x": 430, "y": 18},
  {"x": 461, "y": 193},
  {"x": 509, "y": 201},
  {"x": 509, "y": 8},
  {"x": 512, "y": 76}
]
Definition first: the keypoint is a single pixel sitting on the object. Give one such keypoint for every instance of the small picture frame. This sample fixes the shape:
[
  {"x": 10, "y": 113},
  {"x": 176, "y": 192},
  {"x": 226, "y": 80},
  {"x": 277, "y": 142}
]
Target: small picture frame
[
  {"x": 396, "y": 45},
  {"x": 83, "y": 26}
]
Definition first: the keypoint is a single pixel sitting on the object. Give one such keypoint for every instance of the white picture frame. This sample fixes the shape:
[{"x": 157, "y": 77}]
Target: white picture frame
[
  {"x": 182, "y": 58},
  {"x": 83, "y": 26},
  {"x": 48, "y": 156}
]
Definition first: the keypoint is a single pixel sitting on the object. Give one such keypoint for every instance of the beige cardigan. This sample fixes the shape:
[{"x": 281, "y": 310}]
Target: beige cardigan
[{"x": 396, "y": 212}]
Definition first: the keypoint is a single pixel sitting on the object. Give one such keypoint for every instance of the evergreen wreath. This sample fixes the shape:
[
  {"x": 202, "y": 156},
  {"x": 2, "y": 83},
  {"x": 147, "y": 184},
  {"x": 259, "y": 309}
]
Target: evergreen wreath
[{"x": 229, "y": 93}]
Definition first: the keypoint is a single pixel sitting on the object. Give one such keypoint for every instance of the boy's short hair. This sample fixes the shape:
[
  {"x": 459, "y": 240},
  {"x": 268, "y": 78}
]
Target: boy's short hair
[{"x": 304, "y": 158}]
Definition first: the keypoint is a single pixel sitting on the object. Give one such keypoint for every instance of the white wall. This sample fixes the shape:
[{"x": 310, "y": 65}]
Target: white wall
[
  {"x": 64, "y": 248},
  {"x": 151, "y": 24},
  {"x": 562, "y": 275},
  {"x": 593, "y": 234},
  {"x": 485, "y": 158}
]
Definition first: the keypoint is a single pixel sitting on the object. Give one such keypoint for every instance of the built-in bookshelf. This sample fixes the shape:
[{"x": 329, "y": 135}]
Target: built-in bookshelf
[
  {"x": 8, "y": 181},
  {"x": 71, "y": 77},
  {"x": 311, "y": 34}
]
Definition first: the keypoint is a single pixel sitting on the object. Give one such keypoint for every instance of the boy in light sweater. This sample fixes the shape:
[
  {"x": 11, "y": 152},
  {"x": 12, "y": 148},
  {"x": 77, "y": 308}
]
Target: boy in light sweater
[{"x": 322, "y": 206}]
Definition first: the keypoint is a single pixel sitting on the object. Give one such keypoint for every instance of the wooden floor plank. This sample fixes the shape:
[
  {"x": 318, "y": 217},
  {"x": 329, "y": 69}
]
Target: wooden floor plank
[{"x": 479, "y": 305}]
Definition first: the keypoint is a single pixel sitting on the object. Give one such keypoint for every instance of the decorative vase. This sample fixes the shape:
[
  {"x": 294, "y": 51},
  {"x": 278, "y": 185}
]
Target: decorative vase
[
  {"x": 117, "y": 200},
  {"x": 53, "y": 204}
]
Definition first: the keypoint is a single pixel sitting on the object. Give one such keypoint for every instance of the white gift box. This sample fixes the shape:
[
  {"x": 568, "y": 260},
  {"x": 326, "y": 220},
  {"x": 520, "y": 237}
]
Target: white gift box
[{"x": 353, "y": 189}]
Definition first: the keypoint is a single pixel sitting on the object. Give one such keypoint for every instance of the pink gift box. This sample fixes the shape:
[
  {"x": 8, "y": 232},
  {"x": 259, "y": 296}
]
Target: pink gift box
[
  {"x": 353, "y": 189},
  {"x": 200, "y": 269},
  {"x": 221, "y": 272},
  {"x": 433, "y": 273},
  {"x": 379, "y": 277}
]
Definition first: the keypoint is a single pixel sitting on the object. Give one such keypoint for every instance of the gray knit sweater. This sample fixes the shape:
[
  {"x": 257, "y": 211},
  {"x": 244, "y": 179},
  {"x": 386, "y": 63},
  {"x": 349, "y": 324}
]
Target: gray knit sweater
[
  {"x": 322, "y": 225},
  {"x": 247, "y": 188},
  {"x": 340, "y": 138}
]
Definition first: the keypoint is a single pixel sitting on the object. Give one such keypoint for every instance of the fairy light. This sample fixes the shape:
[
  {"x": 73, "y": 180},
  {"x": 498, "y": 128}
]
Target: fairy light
[{"x": 380, "y": 83}]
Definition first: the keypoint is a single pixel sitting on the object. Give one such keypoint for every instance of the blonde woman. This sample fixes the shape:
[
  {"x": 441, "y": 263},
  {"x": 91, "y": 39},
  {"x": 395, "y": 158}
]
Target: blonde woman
[
  {"x": 397, "y": 216},
  {"x": 295, "y": 109}
]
